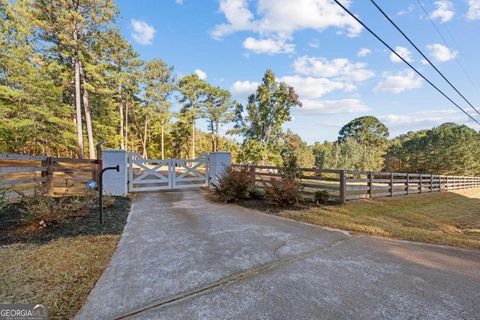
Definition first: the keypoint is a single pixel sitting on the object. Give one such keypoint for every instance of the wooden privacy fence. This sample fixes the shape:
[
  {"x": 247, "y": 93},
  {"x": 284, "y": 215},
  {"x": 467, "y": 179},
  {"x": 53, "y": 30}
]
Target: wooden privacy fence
[
  {"x": 344, "y": 185},
  {"x": 57, "y": 176}
]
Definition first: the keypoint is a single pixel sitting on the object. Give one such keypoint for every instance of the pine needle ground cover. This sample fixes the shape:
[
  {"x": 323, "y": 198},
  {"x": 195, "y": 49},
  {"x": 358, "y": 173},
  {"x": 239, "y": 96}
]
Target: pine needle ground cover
[
  {"x": 448, "y": 218},
  {"x": 58, "y": 265}
]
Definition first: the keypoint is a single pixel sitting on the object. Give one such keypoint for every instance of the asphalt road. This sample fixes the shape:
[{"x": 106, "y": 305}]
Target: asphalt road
[{"x": 184, "y": 257}]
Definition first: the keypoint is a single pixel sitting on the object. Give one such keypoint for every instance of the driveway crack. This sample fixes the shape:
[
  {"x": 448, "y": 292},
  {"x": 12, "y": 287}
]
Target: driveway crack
[{"x": 233, "y": 278}]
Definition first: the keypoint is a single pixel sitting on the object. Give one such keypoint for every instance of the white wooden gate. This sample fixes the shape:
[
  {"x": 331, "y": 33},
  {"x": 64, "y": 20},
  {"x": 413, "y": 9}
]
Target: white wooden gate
[{"x": 152, "y": 175}]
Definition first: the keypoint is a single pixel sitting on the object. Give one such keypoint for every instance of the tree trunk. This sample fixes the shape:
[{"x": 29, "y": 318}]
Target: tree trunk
[
  {"x": 144, "y": 141},
  {"x": 126, "y": 124},
  {"x": 88, "y": 122},
  {"x": 88, "y": 117},
  {"x": 163, "y": 142},
  {"x": 78, "y": 108},
  {"x": 193, "y": 139},
  {"x": 120, "y": 109},
  {"x": 216, "y": 137}
]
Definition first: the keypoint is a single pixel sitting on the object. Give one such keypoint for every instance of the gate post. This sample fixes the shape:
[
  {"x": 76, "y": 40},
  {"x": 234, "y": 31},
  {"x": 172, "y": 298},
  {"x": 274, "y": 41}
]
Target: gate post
[
  {"x": 115, "y": 183},
  {"x": 218, "y": 162}
]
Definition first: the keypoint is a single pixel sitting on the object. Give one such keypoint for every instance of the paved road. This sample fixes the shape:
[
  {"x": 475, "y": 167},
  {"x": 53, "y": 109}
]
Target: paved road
[{"x": 183, "y": 257}]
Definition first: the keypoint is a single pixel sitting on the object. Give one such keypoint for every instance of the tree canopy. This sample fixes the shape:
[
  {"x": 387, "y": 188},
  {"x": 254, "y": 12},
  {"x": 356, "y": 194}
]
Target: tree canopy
[{"x": 366, "y": 130}]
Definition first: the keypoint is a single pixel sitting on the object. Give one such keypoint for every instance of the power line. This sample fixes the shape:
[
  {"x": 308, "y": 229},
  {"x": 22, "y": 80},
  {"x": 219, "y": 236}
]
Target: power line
[
  {"x": 405, "y": 61},
  {"x": 423, "y": 55},
  {"x": 460, "y": 64}
]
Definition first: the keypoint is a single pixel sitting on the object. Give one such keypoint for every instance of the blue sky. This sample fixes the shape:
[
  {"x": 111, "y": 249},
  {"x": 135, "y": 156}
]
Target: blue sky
[{"x": 339, "y": 70}]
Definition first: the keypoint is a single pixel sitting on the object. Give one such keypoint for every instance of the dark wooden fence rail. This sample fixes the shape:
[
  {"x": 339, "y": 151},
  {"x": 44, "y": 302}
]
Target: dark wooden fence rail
[
  {"x": 57, "y": 176},
  {"x": 344, "y": 185}
]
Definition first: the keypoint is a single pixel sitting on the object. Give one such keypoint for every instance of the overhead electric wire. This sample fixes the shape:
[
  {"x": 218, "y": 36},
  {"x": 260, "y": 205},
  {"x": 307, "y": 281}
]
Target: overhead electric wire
[
  {"x": 423, "y": 55},
  {"x": 405, "y": 61},
  {"x": 460, "y": 64}
]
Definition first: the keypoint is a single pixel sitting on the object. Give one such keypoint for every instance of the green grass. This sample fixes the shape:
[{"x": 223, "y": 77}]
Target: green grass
[{"x": 449, "y": 218}]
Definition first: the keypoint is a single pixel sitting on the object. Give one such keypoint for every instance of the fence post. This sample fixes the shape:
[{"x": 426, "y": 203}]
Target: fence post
[
  {"x": 431, "y": 182},
  {"x": 370, "y": 184},
  {"x": 408, "y": 183},
  {"x": 421, "y": 183},
  {"x": 391, "y": 184},
  {"x": 49, "y": 174},
  {"x": 343, "y": 187}
]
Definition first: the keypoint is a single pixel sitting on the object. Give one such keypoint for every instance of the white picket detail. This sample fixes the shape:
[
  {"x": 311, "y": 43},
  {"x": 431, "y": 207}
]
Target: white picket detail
[
  {"x": 190, "y": 171},
  {"x": 154, "y": 174}
]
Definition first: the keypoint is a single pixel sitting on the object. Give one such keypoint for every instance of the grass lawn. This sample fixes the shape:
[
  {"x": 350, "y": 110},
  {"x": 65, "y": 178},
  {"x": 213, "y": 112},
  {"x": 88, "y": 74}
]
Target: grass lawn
[
  {"x": 450, "y": 218},
  {"x": 59, "y": 265}
]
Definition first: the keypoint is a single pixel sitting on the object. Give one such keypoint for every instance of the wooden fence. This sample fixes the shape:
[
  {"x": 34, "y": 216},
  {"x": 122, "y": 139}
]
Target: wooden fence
[
  {"x": 57, "y": 176},
  {"x": 344, "y": 185}
]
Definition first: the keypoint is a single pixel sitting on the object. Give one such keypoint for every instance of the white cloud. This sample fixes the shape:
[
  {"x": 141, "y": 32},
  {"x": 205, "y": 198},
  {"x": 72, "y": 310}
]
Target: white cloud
[
  {"x": 242, "y": 89},
  {"x": 441, "y": 53},
  {"x": 143, "y": 33},
  {"x": 238, "y": 16},
  {"x": 179, "y": 2},
  {"x": 425, "y": 119},
  {"x": 473, "y": 12},
  {"x": 444, "y": 11},
  {"x": 397, "y": 83},
  {"x": 280, "y": 19},
  {"x": 340, "y": 68},
  {"x": 310, "y": 88},
  {"x": 333, "y": 106},
  {"x": 201, "y": 74},
  {"x": 403, "y": 52},
  {"x": 406, "y": 11},
  {"x": 268, "y": 46},
  {"x": 363, "y": 52}
]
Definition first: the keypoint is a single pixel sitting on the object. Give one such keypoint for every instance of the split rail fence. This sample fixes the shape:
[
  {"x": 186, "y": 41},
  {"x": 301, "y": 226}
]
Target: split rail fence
[
  {"x": 57, "y": 176},
  {"x": 344, "y": 185}
]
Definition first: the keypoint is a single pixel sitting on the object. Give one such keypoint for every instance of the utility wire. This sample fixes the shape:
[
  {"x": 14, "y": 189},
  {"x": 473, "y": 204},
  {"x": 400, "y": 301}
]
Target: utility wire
[
  {"x": 460, "y": 64},
  {"x": 423, "y": 55},
  {"x": 405, "y": 61}
]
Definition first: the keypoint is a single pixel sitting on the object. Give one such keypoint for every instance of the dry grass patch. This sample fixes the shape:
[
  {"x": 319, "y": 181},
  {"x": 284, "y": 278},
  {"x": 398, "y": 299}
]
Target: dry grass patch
[
  {"x": 451, "y": 218},
  {"x": 59, "y": 274}
]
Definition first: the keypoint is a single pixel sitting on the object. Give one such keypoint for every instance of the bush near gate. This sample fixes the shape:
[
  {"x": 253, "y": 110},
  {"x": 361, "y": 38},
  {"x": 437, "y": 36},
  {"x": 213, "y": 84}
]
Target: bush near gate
[
  {"x": 235, "y": 184},
  {"x": 283, "y": 192}
]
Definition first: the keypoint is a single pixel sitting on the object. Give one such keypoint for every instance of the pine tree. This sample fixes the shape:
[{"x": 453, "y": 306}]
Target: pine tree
[{"x": 71, "y": 28}]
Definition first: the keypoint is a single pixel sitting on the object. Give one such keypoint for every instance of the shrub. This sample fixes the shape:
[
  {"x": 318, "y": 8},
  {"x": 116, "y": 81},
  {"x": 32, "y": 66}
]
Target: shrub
[
  {"x": 235, "y": 184},
  {"x": 321, "y": 196},
  {"x": 290, "y": 169},
  {"x": 283, "y": 192},
  {"x": 257, "y": 193},
  {"x": 46, "y": 210}
]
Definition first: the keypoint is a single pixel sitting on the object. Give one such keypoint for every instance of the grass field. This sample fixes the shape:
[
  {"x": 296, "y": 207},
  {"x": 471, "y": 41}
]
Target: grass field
[{"x": 450, "y": 218}]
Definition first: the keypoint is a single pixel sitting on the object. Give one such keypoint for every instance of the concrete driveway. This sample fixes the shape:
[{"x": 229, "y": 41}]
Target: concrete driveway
[{"x": 183, "y": 257}]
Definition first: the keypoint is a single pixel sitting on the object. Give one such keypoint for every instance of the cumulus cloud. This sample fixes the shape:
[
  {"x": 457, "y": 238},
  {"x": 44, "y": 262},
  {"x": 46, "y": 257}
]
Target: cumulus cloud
[
  {"x": 400, "y": 82},
  {"x": 423, "y": 119},
  {"x": 310, "y": 88},
  {"x": 444, "y": 11},
  {"x": 340, "y": 68},
  {"x": 333, "y": 106},
  {"x": 268, "y": 46},
  {"x": 473, "y": 12},
  {"x": 441, "y": 53},
  {"x": 280, "y": 19},
  {"x": 363, "y": 52},
  {"x": 201, "y": 74},
  {"x": 403, "y": 52},
  {"x": 142, "y": 33},
  {"x": 242, "y": 89}
]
